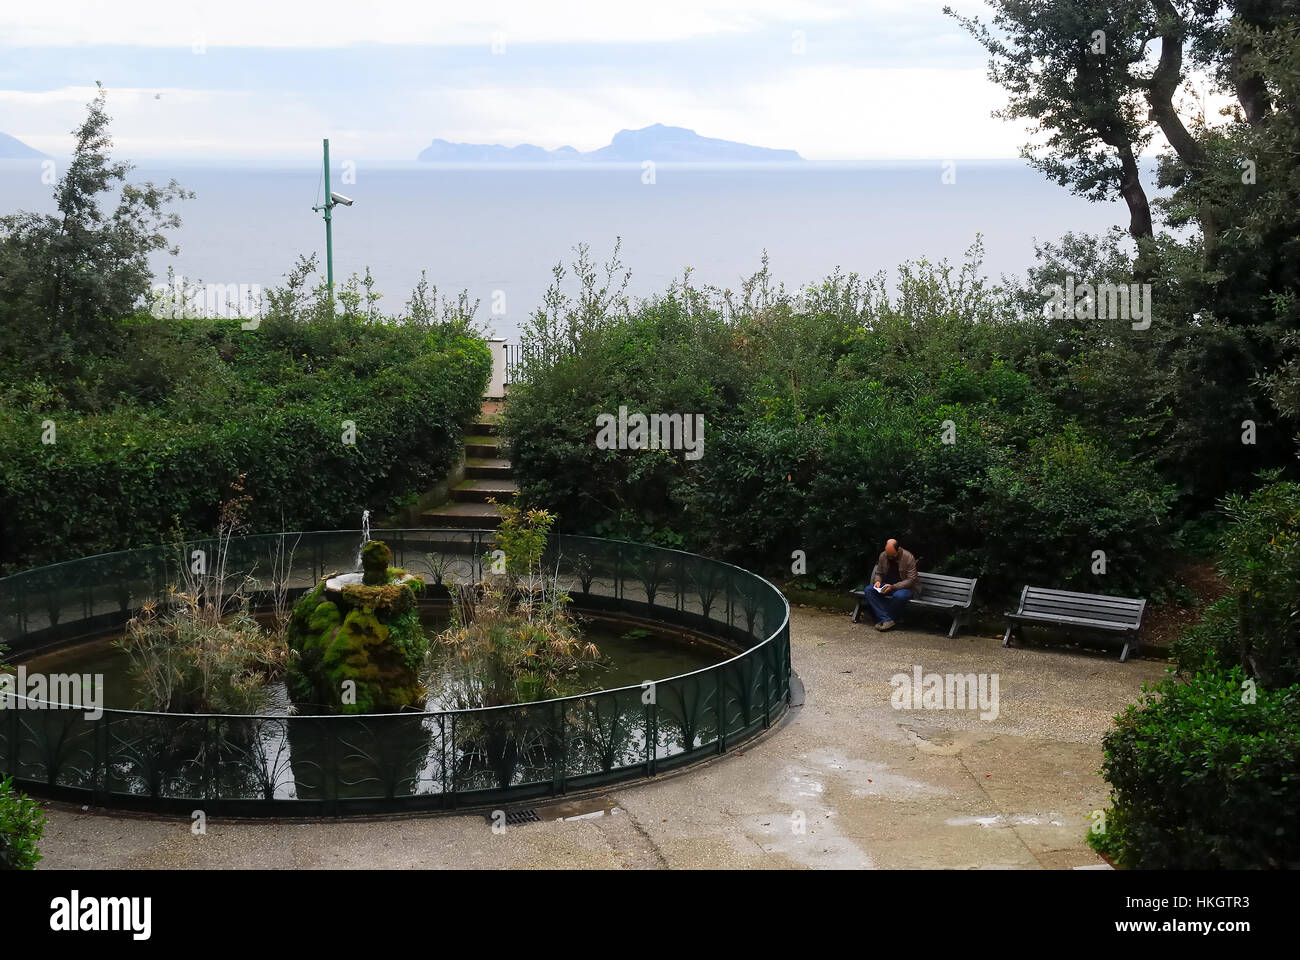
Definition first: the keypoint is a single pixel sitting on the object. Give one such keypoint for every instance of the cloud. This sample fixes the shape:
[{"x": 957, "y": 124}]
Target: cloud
[
  {"x": 334, "y": 23},
  {"x": 875, "y": 78}
]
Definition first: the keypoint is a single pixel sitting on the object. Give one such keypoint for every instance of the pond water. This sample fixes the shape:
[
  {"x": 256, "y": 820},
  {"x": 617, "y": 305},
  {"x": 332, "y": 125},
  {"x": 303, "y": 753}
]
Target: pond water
[{"x": 630, "y": 654}]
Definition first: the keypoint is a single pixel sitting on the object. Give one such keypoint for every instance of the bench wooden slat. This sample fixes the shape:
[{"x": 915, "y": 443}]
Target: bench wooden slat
[
  {"x": 1097, "y": 603},
  {"x": 1055, "y": 604},
  {"x": 1102, "y": 603},
  {"x": 1050, "y": 592},
  {"x": 1057, "y": 596},
  {"x": 1099, "y": 624},
  {"x": 1087, "y": 613}
]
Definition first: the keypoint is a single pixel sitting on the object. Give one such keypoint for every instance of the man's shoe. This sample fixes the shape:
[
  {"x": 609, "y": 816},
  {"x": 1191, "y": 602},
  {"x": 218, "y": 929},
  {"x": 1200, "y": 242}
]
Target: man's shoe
[
  {"x": 887, "y": 625},
  {"x": 876, "y": 624}
]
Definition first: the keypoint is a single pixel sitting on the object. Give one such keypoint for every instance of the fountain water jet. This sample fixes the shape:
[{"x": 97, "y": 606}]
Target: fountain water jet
[{"x": 365, "y": 535}]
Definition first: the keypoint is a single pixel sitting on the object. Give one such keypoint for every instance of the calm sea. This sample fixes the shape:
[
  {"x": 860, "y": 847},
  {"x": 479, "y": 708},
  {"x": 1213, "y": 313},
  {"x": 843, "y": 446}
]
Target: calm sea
[{"x": 490, "y": 230}]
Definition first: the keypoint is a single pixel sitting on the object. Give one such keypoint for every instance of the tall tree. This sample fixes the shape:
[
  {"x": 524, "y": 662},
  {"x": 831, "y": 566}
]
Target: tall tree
[
  {"x": 64, "y": 277},
  {"x": 1071, "y": 69}
]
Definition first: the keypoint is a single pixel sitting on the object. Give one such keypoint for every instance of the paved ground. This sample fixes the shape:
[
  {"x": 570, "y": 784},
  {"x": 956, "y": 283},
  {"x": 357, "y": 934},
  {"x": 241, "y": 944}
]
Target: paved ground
[{"x": 871, "y": 786}]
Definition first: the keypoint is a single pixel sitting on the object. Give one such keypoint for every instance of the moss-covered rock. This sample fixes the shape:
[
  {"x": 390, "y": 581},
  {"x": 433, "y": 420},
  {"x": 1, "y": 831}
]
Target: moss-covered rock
[
  {"x": 359, "y": 648},
  {"x": 375, "y": 561}
]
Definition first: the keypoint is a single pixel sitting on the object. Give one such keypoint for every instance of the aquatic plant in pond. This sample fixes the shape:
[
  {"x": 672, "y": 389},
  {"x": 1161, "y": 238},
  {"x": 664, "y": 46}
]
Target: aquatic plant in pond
[
  {"x": 200, "y": 650},
  {"x": 512, "y": 639},
  {"x": 357, "y": 640},
  {"x": 185, "y": 660}
]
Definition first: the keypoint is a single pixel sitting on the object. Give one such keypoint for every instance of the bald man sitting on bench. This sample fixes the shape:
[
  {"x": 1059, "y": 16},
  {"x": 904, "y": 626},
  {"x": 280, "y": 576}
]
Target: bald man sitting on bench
[{"x": 893, "y": 583}]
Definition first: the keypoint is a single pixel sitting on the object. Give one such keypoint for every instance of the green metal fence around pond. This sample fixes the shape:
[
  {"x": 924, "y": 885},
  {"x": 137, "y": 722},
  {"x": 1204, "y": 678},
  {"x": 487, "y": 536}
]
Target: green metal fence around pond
[{"x": 304, "y": 765}]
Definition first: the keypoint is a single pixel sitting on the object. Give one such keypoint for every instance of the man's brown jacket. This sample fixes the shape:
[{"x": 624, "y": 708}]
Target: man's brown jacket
[{"x": 905, "y": 572}]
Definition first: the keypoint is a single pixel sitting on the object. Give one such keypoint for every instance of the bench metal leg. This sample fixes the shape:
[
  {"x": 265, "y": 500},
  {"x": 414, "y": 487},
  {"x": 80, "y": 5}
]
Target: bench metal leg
[
  {"x": 956, "y": 625},
  {"x": 857, "y": 610},
  {"x": 1123, "y": 654},
  {"x": 1006, "y": 637}
]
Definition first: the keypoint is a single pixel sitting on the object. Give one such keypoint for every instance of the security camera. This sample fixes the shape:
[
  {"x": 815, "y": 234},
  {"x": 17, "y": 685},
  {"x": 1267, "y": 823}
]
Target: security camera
[{"x": 339, "y": 198}]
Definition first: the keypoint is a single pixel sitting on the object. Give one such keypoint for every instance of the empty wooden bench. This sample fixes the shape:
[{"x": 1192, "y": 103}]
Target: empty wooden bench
[
  {"x": 950, "y": 594},
  {"x": 1085, "y": 611}
]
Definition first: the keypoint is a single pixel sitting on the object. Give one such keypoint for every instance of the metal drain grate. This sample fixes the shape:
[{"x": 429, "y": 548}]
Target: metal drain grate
[{"x": 516, "y": 817}]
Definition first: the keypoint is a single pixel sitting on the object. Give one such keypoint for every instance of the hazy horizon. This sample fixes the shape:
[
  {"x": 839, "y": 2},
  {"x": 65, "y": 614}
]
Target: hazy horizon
[{"x": 835, "y": 80}]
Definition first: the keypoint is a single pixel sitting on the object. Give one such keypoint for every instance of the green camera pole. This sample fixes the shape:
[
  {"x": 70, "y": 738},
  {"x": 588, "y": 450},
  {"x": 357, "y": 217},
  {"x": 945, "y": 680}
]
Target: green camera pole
[{"x": 328, "y": 207}]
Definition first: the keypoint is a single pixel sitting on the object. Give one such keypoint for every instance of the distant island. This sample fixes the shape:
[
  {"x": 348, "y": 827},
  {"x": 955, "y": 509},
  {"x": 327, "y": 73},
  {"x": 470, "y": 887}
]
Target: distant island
[
  {"x": 11, "y": 148},
  {"x": 656, "y": 142}
]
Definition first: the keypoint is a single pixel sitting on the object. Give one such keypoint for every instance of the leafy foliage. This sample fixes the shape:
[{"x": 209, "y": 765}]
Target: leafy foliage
[
  {"x": 825, "y": 422},
  {"x": 1257, "y": 626},
  {"x": 116, "y": 426},
  {"x": 512, "y": 639},
  {"x": 204, "y": 652},
  {"x": 21, "y": 825},
  {"x": 192, "y": 405},
  {"x": 1205, "y": 775},
  {"x": 185, "y": 661},
  {"x": 62, "y": 276}
]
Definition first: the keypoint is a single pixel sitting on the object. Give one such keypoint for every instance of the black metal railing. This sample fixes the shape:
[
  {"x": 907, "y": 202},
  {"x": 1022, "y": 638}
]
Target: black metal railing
[
  {"x": 520, "y": 356},
  {"x": 295, "y": 765}
]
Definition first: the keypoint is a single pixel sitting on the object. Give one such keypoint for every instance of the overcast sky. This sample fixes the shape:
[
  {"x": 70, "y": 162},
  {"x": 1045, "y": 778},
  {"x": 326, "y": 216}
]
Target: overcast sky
[{"x": 264, "y": 80}]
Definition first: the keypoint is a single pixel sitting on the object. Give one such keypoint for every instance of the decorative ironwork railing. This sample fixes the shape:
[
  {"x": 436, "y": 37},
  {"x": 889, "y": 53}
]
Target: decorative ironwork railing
[{"x": 295, "y": 765}]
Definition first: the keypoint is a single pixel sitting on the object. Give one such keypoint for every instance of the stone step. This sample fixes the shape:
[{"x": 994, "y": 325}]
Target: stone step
[
  {"x": 484, "y": 468},
  {"x": 472, "y": 515},
  {"x": 482, "y": 445},
  {"x": 485, "y": 429},
  {"x": 479, "y": 491}
]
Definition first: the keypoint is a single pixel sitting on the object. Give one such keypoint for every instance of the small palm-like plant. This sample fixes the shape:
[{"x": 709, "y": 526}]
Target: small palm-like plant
[{"x": 512, "y": 638}]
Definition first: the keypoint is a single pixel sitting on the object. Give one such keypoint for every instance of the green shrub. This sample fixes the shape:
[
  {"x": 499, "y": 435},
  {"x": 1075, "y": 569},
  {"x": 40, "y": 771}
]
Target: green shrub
[
  {"x": 124, "y": 476},
  {"x": 1047, "y": 511},
  {"x": 1203, "y": 778},
  {"x": 21, "y": 827},
  {"x": 1258, "y": 624},
  {"x": 824, "y": 432}
]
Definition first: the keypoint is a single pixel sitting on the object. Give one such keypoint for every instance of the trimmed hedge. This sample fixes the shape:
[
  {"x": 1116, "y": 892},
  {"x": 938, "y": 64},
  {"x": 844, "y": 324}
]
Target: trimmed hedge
[
  {"x": 269, "y": 405},
  {"x": 1202, "y": 778}
]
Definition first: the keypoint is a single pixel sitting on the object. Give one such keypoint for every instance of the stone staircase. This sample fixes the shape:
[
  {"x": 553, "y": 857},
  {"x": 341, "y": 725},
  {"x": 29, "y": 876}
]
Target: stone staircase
[{"x": 488, "y": 476}]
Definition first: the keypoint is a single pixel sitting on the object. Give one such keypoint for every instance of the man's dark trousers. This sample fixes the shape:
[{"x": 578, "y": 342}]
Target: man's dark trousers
[{"x": 886, "y": 606}]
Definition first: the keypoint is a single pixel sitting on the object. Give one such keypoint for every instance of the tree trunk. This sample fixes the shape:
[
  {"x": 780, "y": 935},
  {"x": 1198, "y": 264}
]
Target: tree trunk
[
  {"x": 1164, "y": 84},
  {"x": 1252, "y": 93},
  {"x": 1130, "y": 188},
  {"x": 1160, "y": 95}
]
